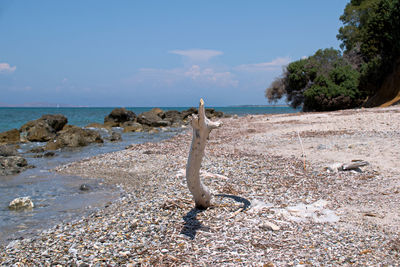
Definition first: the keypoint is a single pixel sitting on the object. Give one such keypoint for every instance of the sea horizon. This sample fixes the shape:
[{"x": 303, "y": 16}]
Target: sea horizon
[{"x": 15, "y": 117}]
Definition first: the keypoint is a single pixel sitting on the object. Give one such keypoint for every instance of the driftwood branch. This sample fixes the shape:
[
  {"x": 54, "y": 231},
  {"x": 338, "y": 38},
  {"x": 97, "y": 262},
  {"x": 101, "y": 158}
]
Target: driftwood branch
[
  {"x": 354, "y": 165},
  {"x": 202, "y": 127}
]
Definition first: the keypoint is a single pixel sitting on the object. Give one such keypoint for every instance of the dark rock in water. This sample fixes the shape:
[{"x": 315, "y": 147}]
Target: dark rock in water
[
  {"x": 39, "y": 149},
  {"x": 27, "y": 126},
  {"x": 55, "y": 121},
  {"x": 8, "y": 150},
  {"x": 172, "y": 116},
  {"x": 10, "y": 161},
  {"x": 188, "y": 112},
  {"x": 132, "y": 127},
  {"x": 43, "y": 129},
  {"x": 39, "y": 131},
  {"x": 212, "y": 113},
  {"x": 129, "y": 123},
  {"x": 157, "y": 111},
  {"x": 73, "y": 136},
  {"x": 162, "y": 123},
  {"x": 118, "y": 116},
  {"x": 151, "y": 119},
  {"x": 85, "y": 187},
  {"x": 115, "y": 137},
  {"x": 49, "y": 154},
  {"x": 12, "y": 165},
  {"x": 10, "y": 137}
]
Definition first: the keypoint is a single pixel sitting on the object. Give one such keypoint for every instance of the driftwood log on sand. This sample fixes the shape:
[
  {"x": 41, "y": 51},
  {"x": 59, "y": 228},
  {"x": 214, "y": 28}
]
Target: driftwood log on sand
[{"x": 202, "y": 127}]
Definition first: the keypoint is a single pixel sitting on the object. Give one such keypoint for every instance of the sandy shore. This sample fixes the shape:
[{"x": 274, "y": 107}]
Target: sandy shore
[{"x": 278, "y": 201}]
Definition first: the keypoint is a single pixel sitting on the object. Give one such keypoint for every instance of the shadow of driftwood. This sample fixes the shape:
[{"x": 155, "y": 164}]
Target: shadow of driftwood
[
  {"x": 192, "y": 224},
  {"x": 245, "y": 202}
]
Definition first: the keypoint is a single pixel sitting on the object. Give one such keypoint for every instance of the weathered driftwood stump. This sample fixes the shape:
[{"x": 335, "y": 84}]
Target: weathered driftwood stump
[{"x": 202, "y": 127}]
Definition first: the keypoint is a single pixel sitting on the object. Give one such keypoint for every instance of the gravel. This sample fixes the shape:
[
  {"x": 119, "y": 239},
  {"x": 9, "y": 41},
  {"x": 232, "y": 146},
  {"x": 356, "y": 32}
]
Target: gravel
[{"x": 260, "y": 184}]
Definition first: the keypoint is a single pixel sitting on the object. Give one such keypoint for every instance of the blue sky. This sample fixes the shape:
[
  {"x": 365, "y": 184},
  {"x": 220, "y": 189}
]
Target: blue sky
[{"x": 156, "y": 53}]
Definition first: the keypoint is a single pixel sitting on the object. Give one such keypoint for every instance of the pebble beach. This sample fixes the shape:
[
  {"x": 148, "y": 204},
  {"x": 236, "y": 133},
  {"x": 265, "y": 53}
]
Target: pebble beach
[{"x": 281, "y": 197}]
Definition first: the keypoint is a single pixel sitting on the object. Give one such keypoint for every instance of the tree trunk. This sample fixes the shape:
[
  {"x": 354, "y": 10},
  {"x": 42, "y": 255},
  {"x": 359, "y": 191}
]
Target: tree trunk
[{"x": 202, "y": 127}]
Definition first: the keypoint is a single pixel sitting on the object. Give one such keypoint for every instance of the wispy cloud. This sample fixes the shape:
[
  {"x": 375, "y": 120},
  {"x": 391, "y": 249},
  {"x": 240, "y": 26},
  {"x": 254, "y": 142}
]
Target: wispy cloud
[
  {"x": 273, "y": 65},
  {"x": 6, "y": 68},
  {"x": 197, "y": 54},
  {"x": 199, "y": 73},
  {"x": 209, "y": 75},
  {"x": 194, "y": 74}
]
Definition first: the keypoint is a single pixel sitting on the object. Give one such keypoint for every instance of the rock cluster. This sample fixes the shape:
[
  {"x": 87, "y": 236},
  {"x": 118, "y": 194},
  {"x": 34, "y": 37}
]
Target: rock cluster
[
  {"x": 147, "y": 121},
  {"x": 50, "y": 128},
  {"x": 73, "y": 136},
  {"x": 118, "y": 116},
  {"x": 43, "y": 129},
  {"x": 10, "y": 137},
  {"x": 57, "y": 133},
  {"x": 10, "y": 162}
]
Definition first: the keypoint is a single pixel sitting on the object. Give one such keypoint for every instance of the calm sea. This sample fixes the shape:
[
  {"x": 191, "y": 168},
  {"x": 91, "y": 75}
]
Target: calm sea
[
  {"x": 15, "y": 117},
  {"x": 57, "y": 197}
]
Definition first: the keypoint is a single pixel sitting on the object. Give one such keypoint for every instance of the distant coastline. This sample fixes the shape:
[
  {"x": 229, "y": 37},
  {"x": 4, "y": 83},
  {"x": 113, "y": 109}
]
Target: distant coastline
[{"x": 39, "y": 105}]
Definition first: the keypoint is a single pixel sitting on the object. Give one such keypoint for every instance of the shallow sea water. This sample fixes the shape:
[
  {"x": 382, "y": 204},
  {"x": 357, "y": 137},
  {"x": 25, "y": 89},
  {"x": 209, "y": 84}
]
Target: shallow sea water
[{"x": 58, "y": 197}]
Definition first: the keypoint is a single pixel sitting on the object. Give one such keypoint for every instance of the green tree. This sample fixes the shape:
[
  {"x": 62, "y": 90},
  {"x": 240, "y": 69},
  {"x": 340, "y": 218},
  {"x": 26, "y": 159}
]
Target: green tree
[
  {"x": 336, "y": 90},
  {"x": 372, "y": 30},
  {"x": 354, "y": 18},
  {"x": 329, "y": 80},
  {"x": 324, "y": 81}
]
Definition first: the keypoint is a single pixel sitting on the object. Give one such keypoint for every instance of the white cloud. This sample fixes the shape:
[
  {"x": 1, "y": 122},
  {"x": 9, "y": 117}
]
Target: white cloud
[
  {"x": 197, "y": 54},
  {"x": 193, "y": 74},
  {"x": 6, "y": 68},
  {"x": 209, "y": 75},
  {"x": 273, "y": 65}
]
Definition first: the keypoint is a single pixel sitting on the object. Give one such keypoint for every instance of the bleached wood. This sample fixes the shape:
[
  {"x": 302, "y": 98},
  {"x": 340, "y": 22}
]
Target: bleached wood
[
  {"x": 354, "y": 165},
  {"x": 202, "y": 127}
]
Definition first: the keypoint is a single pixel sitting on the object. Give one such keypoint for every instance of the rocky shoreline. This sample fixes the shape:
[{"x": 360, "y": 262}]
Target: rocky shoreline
[
  {"x": 281, "y": 197},
  {"x": 54, "y": 132}
]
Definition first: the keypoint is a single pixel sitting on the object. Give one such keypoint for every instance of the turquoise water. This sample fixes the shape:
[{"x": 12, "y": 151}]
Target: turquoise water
[{"x": 15, "y": 117}]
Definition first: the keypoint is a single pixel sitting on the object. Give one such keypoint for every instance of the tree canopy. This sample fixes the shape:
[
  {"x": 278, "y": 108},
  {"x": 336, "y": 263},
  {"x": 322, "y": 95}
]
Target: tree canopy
[
  {"x": 323, "y": 81},
  {"x": 330, "y": 79},
  {"x": 372, "y": 29}
]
